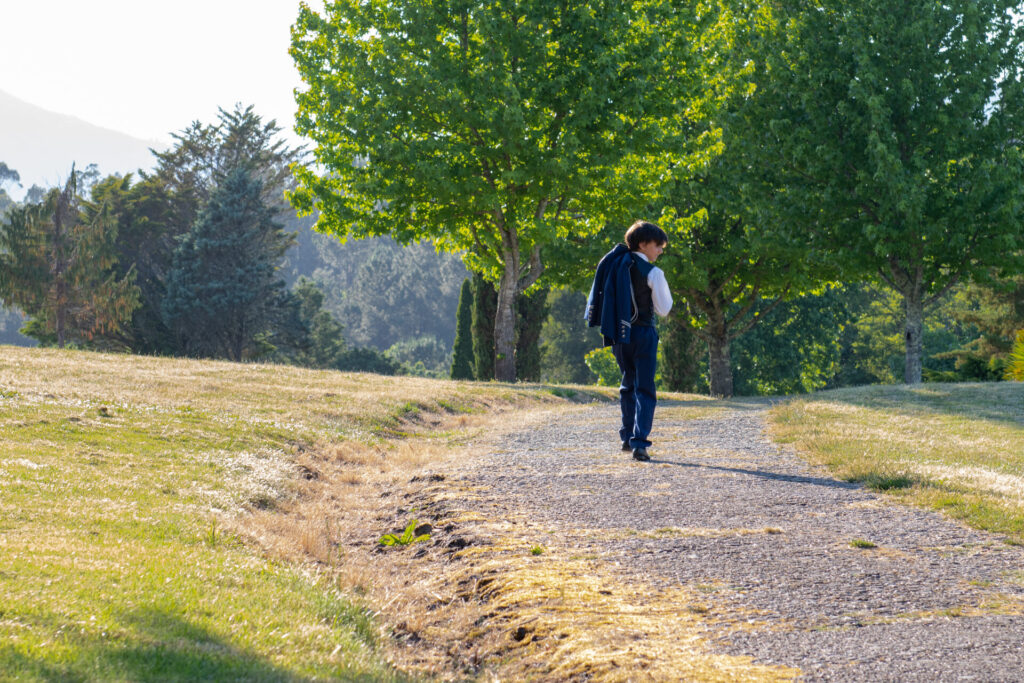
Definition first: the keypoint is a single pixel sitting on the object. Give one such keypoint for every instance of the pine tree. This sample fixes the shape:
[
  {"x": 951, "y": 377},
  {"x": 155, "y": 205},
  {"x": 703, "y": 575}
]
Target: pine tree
[
  {"x": 462, "y": 353},
  {"x": 224, "y": 295},
  {"x": 57, "y": 264}
]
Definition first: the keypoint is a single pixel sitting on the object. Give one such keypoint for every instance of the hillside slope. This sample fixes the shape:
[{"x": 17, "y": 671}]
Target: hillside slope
[
  {"x": 41, "y": 145},
  {"x": 149, "y": 505}
]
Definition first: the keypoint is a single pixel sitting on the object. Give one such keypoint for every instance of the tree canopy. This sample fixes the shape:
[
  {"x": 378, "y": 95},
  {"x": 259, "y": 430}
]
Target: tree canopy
[{"x": 487, "y": 128}]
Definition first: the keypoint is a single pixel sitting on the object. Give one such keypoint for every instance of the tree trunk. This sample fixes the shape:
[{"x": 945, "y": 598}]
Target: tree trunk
[
  {"x": 914, "y": 308},
  {"x": 719, "y": 365},
  {"x": 505, "y": 326}
]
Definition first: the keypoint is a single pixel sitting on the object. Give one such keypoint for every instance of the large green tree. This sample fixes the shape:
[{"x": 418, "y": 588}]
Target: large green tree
[
  {"x": 224, "y": 296},
  {"x": 901, "y": 126},
  {"x": 490, "y": 128}
]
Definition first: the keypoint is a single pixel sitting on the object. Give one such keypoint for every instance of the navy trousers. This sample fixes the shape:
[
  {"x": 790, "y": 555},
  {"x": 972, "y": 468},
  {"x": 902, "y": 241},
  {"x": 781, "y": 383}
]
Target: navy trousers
[{"x": 637, "y": 360}]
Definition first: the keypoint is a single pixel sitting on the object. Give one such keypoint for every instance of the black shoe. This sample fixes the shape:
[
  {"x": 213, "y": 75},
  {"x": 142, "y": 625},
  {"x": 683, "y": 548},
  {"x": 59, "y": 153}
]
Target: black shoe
[
  {"x": 626, "y": 446},
  {"x": 641, "y": 454}
]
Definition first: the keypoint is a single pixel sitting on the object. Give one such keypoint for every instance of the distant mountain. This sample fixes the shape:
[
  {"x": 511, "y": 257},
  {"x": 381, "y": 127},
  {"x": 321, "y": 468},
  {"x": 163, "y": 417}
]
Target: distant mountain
[{"x": 41, "y": 145}]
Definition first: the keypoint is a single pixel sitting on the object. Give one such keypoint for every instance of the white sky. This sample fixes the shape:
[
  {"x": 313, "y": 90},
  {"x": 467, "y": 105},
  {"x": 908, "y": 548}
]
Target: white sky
[{"x": 148, "y": 68}]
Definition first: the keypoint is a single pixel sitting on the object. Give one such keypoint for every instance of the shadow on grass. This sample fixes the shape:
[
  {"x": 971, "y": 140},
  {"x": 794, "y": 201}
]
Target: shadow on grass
[
  {"x": 999, "y": 402},
  {"x": 162, "y": 647}
]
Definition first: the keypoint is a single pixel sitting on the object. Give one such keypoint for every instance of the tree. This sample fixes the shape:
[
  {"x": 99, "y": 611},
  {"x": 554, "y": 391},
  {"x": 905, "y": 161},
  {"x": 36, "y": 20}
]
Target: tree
[
  {"x": 462, "y": 354},
  {"x": 224, "y": 295},
  {"x": 7, "y": 175},
  {"x": 57, "y": 264},
  {"x": 323, "y": 344},
  {"x": 145, "y": 245},
  {"x": 901, "y": 128},
  {"x": 488, "y": 128},
  {"x": 566, "y": 339},
  {"x": 485, "y": 301},
  {"x": 994, "y": 309},
  {"x": 531, "y": 311},
  {"x": 681, "y": 350}
]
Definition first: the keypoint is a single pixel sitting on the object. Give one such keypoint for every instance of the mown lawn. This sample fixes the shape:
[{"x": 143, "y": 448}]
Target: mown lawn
[
  {"x": 116, "y": 476},
  {"x": 958, "y": 448}
]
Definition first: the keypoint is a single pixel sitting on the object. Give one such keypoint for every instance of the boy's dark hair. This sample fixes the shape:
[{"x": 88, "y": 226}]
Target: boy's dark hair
[{"x": 641, "y": 232}]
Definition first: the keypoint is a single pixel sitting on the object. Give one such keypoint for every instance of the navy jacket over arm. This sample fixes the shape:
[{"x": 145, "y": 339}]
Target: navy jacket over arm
[{"x": 610, "y": 303}]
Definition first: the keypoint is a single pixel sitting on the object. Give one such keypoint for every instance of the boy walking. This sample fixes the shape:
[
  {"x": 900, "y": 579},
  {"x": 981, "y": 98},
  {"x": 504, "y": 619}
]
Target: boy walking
[{"x": 628, "y": 291}]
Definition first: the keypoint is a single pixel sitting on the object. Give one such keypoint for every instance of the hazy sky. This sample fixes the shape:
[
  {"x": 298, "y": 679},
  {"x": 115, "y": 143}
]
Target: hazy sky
[{"x": 148, "y": 68}]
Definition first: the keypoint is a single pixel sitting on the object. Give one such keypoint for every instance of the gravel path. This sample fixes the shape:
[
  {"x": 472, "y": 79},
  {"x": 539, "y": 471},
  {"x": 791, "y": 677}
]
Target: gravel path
[{"x": 767, "y": 538}]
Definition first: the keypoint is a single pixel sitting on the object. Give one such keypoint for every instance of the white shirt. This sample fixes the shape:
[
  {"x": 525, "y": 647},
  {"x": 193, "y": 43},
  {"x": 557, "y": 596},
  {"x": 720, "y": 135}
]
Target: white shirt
[{"x": 660, "y": 296}]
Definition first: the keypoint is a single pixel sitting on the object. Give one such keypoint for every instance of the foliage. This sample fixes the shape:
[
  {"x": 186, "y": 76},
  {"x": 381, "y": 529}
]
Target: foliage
[
  {"x": 485, "y": 301},
  {"x": 224, "y": 296},
  {"x": 484, "y": 127},
  {"x": 8, "y": 175},
  {"x": 995, "y": 309},
  {"x": 1015, "y": 366},
  {"x": 408, "y": 537},
  {"x": 424, "y": 356},
  {"x": 366, "y": 359},
  {"x": 462, "y": 353},
  {"x": 323, "y": 345},
  {"x": 531, "y": 312},
  {"x": 383, "y": 292},
  {"x": 685, "y": 362},
  {"x": 145, "y": 245},
  {"x": 796, "y": 349},
  {"x": 57, "y": 264},
  {"x": 566, "y": 339},
  {"x": 904, "y": 161},
  {"x": 601, "y": 362}
]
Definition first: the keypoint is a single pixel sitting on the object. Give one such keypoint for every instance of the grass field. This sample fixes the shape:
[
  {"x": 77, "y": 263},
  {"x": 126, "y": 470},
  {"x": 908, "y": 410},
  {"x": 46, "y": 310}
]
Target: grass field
[
  {"x": 958, "y": 448},
  {"x": 121, "y": 483}
]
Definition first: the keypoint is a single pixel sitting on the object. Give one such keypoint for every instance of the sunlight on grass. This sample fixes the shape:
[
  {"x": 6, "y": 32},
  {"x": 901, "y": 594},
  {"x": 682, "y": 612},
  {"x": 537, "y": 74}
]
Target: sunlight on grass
[
  {"x": 116, "y": 473},
  {"x": 953, "y": 447}
]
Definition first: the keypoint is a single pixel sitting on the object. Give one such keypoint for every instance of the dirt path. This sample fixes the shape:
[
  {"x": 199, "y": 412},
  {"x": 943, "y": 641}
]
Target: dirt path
[{"x": 724, "y": 513}]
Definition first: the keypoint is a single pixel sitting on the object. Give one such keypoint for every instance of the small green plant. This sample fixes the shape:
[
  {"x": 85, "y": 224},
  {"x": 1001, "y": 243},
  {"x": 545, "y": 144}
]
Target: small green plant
[
  {"x": 877, "y": 481},
  {"x": 536, "y": 550},
  {"x": 563, "y": 393},
  {"x": 861, "y": 543},
  {"x": 211, "y": 534},
  {"x": 408, "y": 536}
]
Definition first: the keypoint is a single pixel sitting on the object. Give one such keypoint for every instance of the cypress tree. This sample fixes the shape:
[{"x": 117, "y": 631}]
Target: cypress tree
[
  {"x": 462, "y": 353},
  {"x": 485, "y": 305}
]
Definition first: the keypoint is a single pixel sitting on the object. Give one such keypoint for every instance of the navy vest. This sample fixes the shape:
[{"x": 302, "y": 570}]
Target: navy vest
[{"x": 643, "y": 299}]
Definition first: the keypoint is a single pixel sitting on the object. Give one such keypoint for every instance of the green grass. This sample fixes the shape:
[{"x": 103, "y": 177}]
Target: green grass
[
  {"x": 958, "y": 448},
  {"x": 116, "y": 473},
  {"x": 861, "y": 543}
]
